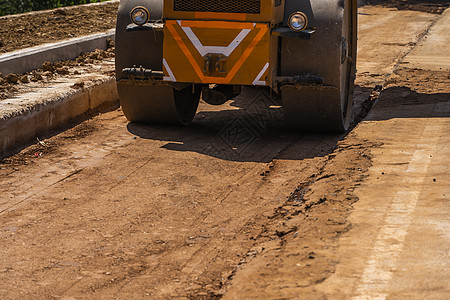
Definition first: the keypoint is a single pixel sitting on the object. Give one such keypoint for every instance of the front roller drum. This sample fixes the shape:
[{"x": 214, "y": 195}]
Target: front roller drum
[
  {"x": 158, "y": 104},
  {"x": 331, "y": 54},
  {"x": 313, "y": 109}
]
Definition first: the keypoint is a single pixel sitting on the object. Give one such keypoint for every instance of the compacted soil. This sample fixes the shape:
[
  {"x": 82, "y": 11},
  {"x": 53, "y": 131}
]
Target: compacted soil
[
  {"x": 429, "y": 6},
  {"x": 35, "y": 28},
  {"x": 234, "y": 206}
]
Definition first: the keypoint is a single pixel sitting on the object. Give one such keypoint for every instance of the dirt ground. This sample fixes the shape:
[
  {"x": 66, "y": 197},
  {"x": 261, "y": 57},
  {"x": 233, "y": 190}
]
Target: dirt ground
[
  {"x": 14, "y": 84},
  {"x": 31, "y": 29},
  {"x": 36, "y": 28},
  {"x": 300, "y": 244},
  {"x": 429, "y": 6},
  {"x": 113, "y": 210}
]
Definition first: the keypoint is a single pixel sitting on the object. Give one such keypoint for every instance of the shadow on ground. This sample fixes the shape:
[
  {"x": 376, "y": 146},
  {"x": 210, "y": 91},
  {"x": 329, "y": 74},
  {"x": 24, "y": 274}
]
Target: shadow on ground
[
  {"x": 402, "y": 102},
  {"x": 248, "y": 128}
]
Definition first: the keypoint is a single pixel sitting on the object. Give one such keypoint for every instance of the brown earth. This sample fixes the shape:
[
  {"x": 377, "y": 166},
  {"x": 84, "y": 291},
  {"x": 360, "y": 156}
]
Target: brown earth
[
  {"x": 429, "y": 6},
  {"x": 52, "y": 71},
  {"x": 191, "y": 244},
  {"x": 113, "y": 210},
  {"x": 36, "y": 28},
  {"x": 299, "y": 244}
]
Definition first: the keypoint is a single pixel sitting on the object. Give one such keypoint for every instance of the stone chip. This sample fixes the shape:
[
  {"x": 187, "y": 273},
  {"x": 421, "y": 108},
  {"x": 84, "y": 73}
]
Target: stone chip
[{"x": 12, "y": 78}]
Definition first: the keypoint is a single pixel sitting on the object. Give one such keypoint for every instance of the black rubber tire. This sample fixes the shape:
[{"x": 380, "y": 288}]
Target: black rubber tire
[
  {"x": 140, "y": 48},
  {"x": 327, "y": 108},
  {"x": 143, "y": 101},
  {"x": 158, "y": 104}
]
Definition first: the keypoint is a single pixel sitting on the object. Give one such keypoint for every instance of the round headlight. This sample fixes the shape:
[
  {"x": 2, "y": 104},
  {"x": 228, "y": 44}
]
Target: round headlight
[
  {"x": 298, "y": 21},
  {"x": 139, "y": 15}
]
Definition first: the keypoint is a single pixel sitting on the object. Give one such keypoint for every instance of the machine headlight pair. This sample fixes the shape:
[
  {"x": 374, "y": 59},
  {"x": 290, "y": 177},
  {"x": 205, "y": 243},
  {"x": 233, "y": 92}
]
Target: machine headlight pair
[
  {"x": 139, "y": 15},
  {"x": 298, "y": 21}
]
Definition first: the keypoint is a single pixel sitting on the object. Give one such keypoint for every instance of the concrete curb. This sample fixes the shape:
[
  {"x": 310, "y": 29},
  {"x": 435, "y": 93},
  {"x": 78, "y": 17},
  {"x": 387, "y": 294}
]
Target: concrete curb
[
  {"x": 28, "y": 59},
  {"x": 22, "y": 126}
]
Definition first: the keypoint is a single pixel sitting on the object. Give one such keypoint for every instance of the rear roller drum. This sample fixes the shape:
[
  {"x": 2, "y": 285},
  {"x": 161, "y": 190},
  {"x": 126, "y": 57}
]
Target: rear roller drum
[
  {"x": 158, "y": 104},
  {"x": 141, "y": 100},
  {"x": 332, "y": 52}
]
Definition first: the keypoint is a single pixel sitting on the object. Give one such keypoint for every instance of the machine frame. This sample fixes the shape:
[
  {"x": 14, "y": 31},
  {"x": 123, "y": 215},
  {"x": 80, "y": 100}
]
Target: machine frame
[{"x": 188, "y": 48}]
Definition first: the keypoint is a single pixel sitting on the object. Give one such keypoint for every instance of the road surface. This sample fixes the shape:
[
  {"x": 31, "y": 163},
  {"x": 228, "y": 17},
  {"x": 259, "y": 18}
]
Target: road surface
[{"x": 235, "y": 206}]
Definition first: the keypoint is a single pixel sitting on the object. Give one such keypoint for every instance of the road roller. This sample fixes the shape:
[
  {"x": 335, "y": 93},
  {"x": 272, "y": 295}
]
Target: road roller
[{"x": 171, "y": 53}]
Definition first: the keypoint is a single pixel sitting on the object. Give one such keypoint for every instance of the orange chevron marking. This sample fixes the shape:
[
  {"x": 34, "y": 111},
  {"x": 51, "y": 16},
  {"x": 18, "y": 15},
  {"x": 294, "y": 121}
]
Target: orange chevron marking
[
  {"x": 184, "y": 48},
  {"x": 247, "y": 52},
  {"x": 206, "y": 79}
]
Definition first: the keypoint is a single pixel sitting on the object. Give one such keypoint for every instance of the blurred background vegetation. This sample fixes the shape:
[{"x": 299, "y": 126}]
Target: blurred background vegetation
[{"x": 9, "y": 7}]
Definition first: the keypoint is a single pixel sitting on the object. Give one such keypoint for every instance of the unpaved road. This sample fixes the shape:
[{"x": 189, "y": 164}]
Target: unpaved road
[{"x": 233, "y": 205}]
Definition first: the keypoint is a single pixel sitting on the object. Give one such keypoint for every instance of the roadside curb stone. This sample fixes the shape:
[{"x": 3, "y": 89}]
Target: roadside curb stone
[
  {"x": 23, "y": 124},
  {"x": 28, "y": 59}
]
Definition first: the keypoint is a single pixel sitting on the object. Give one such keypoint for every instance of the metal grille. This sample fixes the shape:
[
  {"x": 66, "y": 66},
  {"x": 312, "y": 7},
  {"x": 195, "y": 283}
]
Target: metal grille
[{"x": 221, "y": 6}]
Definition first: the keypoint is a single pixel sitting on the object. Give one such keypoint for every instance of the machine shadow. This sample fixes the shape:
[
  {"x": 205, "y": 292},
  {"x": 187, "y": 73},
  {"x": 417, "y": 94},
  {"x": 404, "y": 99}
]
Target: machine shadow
[
  {"x": 429, "y": 6},
  {"x": 247, "y": 129},
  {"x": 250, "y": 128},
  {"x": 402, "y": 102}
]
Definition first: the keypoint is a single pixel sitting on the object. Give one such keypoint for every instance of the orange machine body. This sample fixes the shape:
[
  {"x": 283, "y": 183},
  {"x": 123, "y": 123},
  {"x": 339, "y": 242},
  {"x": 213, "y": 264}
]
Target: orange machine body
[{"x": 220, "y": 47}]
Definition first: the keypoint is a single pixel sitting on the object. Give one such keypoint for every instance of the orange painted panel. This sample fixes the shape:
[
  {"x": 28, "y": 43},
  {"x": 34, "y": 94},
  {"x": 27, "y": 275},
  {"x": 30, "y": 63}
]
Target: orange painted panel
[{"x": 221, "y": 52}]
